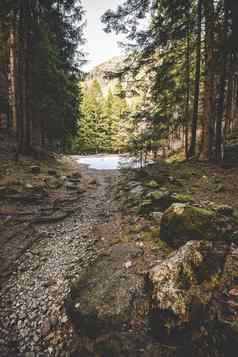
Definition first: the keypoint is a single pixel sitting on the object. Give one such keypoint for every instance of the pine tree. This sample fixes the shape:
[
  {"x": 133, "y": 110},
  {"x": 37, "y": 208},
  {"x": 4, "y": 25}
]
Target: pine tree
[
  {"x": 91, "y": 123},
  {"x": 173, "y": 33},
  {"x": 43, "y": 40}
]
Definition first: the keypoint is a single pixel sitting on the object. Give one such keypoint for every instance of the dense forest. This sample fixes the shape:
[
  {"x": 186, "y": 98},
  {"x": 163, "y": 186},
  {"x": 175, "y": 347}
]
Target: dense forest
[
  {"x": 104, "y": 120},
  {"x": 189, "y": 49},
  {"x": 182, "y": 61},
  {"x": 40, "y": 55},
  {"x": 118, "y": 185}
]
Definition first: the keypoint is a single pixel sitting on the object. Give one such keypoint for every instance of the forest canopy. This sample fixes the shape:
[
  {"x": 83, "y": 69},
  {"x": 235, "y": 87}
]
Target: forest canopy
[{"x": 191, "y": 49}]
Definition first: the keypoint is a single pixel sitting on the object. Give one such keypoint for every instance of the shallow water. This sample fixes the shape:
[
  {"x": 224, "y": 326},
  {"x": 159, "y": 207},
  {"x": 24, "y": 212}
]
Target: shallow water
[{"x": 106, "y": 162}]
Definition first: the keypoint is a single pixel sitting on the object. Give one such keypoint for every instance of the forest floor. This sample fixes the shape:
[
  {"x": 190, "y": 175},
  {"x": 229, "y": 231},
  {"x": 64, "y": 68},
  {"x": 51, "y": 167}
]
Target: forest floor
[
  {"x": 203, "y": 181},
  {"x": 56, "y": 217},
  {"x": 50, "y": 217}
]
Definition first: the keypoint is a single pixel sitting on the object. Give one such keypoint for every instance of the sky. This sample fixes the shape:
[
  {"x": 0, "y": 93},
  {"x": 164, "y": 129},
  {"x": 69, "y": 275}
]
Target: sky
[{"x": 100, "y": 45}]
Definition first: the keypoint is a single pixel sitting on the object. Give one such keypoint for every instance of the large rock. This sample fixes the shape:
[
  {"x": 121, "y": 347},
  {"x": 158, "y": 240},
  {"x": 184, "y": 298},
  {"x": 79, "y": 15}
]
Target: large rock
[
  {"x": 193, "y": 293},
  {"x": 183, "y": 222},
  {"x": 186, "y": 305},
  {"x": 110, "y": 302}
]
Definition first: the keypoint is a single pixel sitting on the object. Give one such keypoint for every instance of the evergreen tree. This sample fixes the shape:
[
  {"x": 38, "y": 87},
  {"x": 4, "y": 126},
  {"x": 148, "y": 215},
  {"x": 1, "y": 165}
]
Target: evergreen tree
[
  {"x": 187, "y": 79},
  {"x": 102, "y": 127},
  {"x": 43, "y": 40},
  {"x": 91, "y": 123}
]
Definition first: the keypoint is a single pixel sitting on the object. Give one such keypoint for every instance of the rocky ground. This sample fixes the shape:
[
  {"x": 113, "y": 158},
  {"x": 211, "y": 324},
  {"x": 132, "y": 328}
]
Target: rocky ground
[
  {"x": 102, "y": 264},
  {"x": 41, "y": 253},
  {"x": 168, "y": 286}
]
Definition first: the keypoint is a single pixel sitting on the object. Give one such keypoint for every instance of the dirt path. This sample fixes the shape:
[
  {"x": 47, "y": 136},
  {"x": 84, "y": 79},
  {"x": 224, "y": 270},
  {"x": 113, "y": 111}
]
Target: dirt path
[{"x": 32, "y": 321}]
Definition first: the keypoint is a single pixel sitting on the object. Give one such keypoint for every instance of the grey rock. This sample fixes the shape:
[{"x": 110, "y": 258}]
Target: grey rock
[
  {"x": 35, "y": 169},
  {"x": 46, "y": 328},
  {"x": 157, "y": 216},
  {"x": 109, "y": 297},
  {"x": 52, "y": 172}
]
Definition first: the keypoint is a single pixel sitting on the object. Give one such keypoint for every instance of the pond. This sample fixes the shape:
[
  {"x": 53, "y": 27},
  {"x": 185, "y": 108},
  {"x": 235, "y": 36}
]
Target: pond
[{"x": 106, "y": 161}]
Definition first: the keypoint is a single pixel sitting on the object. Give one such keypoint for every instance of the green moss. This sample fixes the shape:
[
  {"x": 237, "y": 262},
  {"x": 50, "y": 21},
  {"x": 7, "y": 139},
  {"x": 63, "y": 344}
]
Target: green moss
[
  {"x": 214, "y": 282},
  {"x": 183, "y": 198},
  {"x": 162, "y": 246},
  {"x": 176, "y": 157},
  {"x": 136, "y": 228},
  {"x": 156, "y": 195},
  {"x": 186, "y": 277},
  {"x": 181, "y": 223},
  {"x": 153, "y": 234},
  {"x": 145, "y": 206},
  {"x": 151, "y": 184},
  {"x": 234, "y": 326}
]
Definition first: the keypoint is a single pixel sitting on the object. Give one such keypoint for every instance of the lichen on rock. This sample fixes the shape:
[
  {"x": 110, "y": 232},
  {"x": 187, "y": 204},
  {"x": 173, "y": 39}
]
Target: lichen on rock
[{"x": 183, "y": 222}]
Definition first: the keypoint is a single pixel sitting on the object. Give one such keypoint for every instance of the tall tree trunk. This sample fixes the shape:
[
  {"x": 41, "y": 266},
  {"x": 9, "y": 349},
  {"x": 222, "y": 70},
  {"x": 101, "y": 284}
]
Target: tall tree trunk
[
  {"x": 187, "y": 106},
  {"x": 222, "y": 87},
  {"x": 24, "y": 31},
  {"x": 12, "y": 77},
  {"x": 192, "y": 150},
  {"x": 229, "y": 99},
  {"x": 209, "y": 86}
]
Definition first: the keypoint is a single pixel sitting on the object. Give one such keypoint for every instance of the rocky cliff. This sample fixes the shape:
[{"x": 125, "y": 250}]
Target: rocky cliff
[{"x": 100, "y": 74}]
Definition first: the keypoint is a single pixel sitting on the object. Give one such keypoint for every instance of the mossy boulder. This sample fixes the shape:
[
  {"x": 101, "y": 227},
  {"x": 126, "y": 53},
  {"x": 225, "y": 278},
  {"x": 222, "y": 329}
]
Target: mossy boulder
[
  {"x": 161, "y": 200},
  {"x": 109, "y": 307},
  {"x": 183, "y": 284},
  {"x": 156, "y": 200},
  {"x": 195, "y": 298},
  {"x": 183, "y": 222}
]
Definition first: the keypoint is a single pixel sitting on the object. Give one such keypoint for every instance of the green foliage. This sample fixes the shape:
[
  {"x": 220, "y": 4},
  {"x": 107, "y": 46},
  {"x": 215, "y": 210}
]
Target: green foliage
[
  {"x": 102, "y": 124},
  {"x": 47, "y": 38}
]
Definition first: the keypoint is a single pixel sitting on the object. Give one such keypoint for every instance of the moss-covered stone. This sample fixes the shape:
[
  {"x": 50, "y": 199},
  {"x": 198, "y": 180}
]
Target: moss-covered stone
[
  {"x": 145, "y": 207},
  {"x": 183, "y": 222},
  {"x": 151, "y": 184},
  {"x": 157, "y": 195},
  {"x": 183, "y": 198},
  {"x": 184, "y": 286}
]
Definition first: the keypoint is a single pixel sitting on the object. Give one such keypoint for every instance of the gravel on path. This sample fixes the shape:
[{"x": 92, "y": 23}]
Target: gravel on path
[{"x": 32, "y": 317}]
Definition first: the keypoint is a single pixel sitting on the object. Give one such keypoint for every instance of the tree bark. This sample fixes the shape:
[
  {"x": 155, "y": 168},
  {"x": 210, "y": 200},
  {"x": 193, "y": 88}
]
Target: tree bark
[
  {"x": 209, "y": 85},
  {"x": 192, "y": 150},
  {"x": 13, "y": 78},
  {"x": 187, "y": 106},
  {"x": 24, "y": 31},
  {"x": 222, "y": 87}
]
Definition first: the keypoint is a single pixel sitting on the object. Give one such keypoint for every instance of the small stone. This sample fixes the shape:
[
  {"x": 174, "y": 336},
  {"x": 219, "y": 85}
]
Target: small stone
[
  {"x": 76, "y": 174},
  {"x": 36, "y": 338},
  {"x": 35, "y": 170},
  {"x": 46, "y": 327},
  {"x": 30, "y": 354},
  {"x": 234, "y": 291},
  {"x": 219, "y": 188},
  {"x": 157, "y": 216},
  {"x": 128, "y": 264},
  {"x": 54, "y": 321},
  {"x": 49, "y": 283},
  {"x": 93, "y": 182},
  {"x": 52, "y": 172},
  {"x": 50, "y": 350},
  {"x": 64, "y": 319}
]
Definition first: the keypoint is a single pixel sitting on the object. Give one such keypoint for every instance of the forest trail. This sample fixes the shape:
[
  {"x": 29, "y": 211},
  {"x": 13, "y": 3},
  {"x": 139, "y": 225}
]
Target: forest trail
[{"x": 33, "y": 320}]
